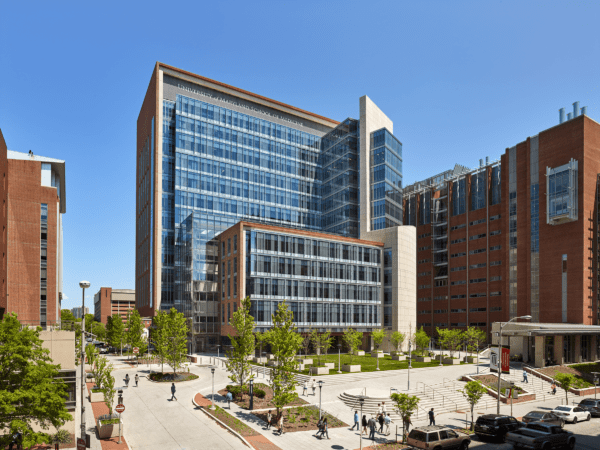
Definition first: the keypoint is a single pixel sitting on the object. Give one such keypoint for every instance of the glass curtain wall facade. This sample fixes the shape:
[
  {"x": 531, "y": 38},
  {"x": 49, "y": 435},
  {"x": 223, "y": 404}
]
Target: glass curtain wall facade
[
  {"x": 340, "y": 180},
  {"x": 386, "y": 180},
  {"x": 328, "y": 284}
]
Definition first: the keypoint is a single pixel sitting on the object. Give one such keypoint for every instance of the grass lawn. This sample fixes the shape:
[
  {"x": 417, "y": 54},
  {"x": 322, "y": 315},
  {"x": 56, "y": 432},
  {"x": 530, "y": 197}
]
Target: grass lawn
[
  {"x": 367, "y": 363},
  {"x": 231, "y": 421},
  {"x": 582, "y": 373}
]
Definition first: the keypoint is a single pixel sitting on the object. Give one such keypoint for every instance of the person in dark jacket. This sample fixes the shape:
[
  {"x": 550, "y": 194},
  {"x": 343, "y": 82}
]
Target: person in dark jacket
[
  {"x": 381, "y": 421},
  {"x": 127, "y": 379},
  {"x": 364, "y": 425},
  {"x": 173, "y": 392},
  {"x": 372, "y": 427}
]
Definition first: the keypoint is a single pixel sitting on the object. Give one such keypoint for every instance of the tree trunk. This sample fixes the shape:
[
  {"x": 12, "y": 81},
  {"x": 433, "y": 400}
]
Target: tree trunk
[{"x": 472, "y": 407}]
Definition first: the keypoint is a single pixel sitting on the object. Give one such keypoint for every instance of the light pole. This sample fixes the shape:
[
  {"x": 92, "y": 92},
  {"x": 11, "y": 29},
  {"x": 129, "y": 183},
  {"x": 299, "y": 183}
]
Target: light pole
[
  {"x": 212, "y": 370},
  {"x": 339, "y": 358},
  {"x": 264, "y": 364},
  {"x": 218, "y": 354},
  {"x": 251, "y": 383},
  {"x": 361, "y": 399},
  {"x": 320, "y": 386},
  {"x": 440, "y": 345},
  {"x": 500, "y": 356},
  {"x": 409, "y": 362},
  {"x": 83, "y": 285},
  {"x": 596, "y": 374}
]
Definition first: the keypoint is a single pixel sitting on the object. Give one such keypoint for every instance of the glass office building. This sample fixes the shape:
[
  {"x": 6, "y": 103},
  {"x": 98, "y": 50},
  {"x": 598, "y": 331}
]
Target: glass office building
[{"x": 227, "y": 155}]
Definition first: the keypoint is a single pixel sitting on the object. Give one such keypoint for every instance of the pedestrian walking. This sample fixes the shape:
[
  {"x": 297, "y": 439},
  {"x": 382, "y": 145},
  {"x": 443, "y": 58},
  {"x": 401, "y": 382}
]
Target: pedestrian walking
[
  {"x": 372, "y": 427},
  {"x": 127, "y": 380},
  {"x": 381, "y": 421},
  {"x": 269, "y": 419},
  {"x": 305, "y": 389},
  {"x": 383, "y": 408},
  {"x": 553, "y": 388},
  {"x": 379, "y": 410},
  {"x": 525, "y": 380},
  {"x": 323, "y": 429},
  {"x": 314, "y": 387},
  {"x": 407, "y": 423},
  {"x": 387, "y": 421},
  {"x": 229, "y": 397},
  {"x": 320, "y": 428},
  {"x": 364, "y": 425},
  {"x": 173, "y": 392},
  {"x": 137, "y": 379},
  {"x": 281, "y": 424},
  {"x": 356, "y": 424},
  {"x": 431, "y": 417}
]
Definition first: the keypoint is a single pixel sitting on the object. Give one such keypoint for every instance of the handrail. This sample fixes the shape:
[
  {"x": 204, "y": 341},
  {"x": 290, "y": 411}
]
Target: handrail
[
  {"x": 451, "y": 381},
  {"x": 444, "y": 398}
]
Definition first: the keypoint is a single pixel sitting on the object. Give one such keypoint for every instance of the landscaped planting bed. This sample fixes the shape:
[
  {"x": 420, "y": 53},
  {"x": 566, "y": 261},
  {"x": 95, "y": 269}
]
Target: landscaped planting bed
[
  {"x": 491, "y": 381},
  {"x": 233, "y": 423},
  {"x": 302, "y": 418},
  {"x": 581, "y": 372},
  {"x": 386, "y": 446},
  {"x": 170, "y": 377},
  {"x": 263, "y": 396}
]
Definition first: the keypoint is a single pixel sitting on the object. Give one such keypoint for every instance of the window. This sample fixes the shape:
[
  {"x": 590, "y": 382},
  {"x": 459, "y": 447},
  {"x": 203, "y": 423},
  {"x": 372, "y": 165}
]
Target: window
[
  {"x": 424, "y": 312},
  {"x": 424, "y": 248},
  {"x": 495, "y": 233},
  {"x": 495, "y": 308},
  {"x": 456, "y": 297},
  {"x": 441, "y": 297},
  {"x": 458, "y": 310},
  {"x": 424, "y": 261},
  {"x": 424, "y": 235},
  {"x": 477, "y": 324},
  {"x": 478, "y": 190},
  {"x": 561, "y": 187},
  {"x": 459, "y": 196},
  {"x": 495, "y": 247},
  {"x": 495, "y": 263},
  {"x": 477, "y": 280},
  {"x": 477, "y": 236},
  {"x": 423, "y": 274},
  {"x": 457, "y": 269},
  {"x": 457, "y": 283},
  {"x": 458, "y": 324},
  {"x": 495, "y": 294},
  {"x": 478, "y": 295},
  {"x": 495, "y": 186},
  {"x": 475, "y": 252},
  {"x": 424, "y": 299},
  {"x": 228, "y": 247},
  {"x": 477, "y": 222},
  {"x": 440, "y": 311},
  {"x": 235, "y": 239},
  {"x": 424, "y": 286},
  {"x": 477, "y": 309},
  {"x": 496, "y": 278},
  {"x": 496, "y": 217},
  {"x": 457, "y": 227},
  {"x": 458, "y": 241},
  {"x": 457, "y": 255},
  {"x": 477, "y": 266}
]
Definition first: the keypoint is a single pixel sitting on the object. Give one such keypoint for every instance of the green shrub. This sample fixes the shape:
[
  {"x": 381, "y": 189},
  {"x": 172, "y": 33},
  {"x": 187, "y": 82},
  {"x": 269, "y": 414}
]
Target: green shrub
[
  {"x": 292, "y": 418},
  {"x": 260, "y": 393}
]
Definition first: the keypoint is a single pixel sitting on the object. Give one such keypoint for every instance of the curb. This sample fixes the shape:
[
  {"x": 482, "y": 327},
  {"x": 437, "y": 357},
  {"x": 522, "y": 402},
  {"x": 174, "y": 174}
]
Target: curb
[{"x": 235, "y": 433}]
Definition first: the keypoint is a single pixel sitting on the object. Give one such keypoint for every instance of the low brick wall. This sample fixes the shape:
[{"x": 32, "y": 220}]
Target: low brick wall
[{"x": 527, "y": 397}]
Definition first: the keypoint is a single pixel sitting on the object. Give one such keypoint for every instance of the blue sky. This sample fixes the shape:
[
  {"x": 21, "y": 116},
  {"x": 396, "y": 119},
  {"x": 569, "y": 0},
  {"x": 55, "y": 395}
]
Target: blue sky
[{"x": 460, "y": 80}]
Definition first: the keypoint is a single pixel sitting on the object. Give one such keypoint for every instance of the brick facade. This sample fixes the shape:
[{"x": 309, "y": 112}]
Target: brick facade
[
  {"x": 109, "y": 301},
  {"x": 3, "y": 224}
]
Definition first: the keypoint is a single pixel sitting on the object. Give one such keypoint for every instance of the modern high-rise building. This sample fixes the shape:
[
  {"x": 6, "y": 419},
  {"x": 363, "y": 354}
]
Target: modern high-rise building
[
  {"x": 210, "y": 156},
  {"x": 78, "y": 312},
  {"x": 513, "y": 237}
]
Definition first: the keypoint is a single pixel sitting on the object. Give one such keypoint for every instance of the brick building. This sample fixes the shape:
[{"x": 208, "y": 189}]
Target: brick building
[
  {"x": 3, "y": 224},
  {"x": 109, "y": 301},
  {"x": 36, "y": 200},
  {"x": 513, "y": 237}
]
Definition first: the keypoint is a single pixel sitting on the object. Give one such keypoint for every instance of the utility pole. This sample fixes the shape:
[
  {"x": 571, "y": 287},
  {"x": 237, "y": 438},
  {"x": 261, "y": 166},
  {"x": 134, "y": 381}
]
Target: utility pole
[{"x": 83, "y": 285}]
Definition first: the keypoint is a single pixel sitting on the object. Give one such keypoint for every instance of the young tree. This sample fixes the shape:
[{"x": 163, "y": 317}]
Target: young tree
[
  {"x": 67, "y": 318},
  {"x": 159, "y": 337},
  {"x": 176, "y": 330},
  {"x": 105, "y": 381},
  {"x": 91, "y": 354},
  {"x": 32, "y": 394},
  {"x": 378, "y": 337},
  {"x": 99, "y": 330},
  {"x": 352, "y": 339},
  {"x": 421, "y": 340},
  {"x": 115, "y": 330},
  {"x": 306, "y": 343},
  {"x": 473, "y": 391},
  {"x": 243, "y": 345},
  {"x": 321, "y": 342},
  {"x": 285, "y": 342},
  {"x": 474, "y": 337},
  {"x": 450, "y": 339},
  {"x": 261, "y": 339},
  {"x": 406, "y": 406},
  {"x": 326, "y": 341},
  {"x": 565, "y": 381},
  {"x": 135, "y": 329},
  {"x": 89, "y": 320},
  {"x": 397, "y": 339}
]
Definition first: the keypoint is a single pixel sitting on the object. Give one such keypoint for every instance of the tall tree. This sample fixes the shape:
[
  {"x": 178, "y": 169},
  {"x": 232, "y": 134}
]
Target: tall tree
[
  {"x": 135, "y": 329},
  {"x": 105, "y": 380},
  {"x": 115, "y": 330},
  {"x": 421, "y": 340},
  {"x": 243, "y": 345},
  {"x": 89, "y": 319},
  {"x": 285, "y": 342},
  {"x": 397, "y": 339},
  {"x": 406, "y": 406},
  {"x": 306, "y": 343},
  {"x": 261, "y": 339},
  {"x": 159, "y": 337},
  {"x": 352, "y": 339},
  {"x": 176, "y": 332},
  {"x": 32, "y": 394},
  {"x": 473, "y": 391},
  {"x": 474, "y": 337},
  {"x": 99, "y": 330},
  {"x": 450, "y": 339},
  {"x": 321, "y": 342},
  {"x": 565, "y": 381},
  {"x": 67, "y": 316}
]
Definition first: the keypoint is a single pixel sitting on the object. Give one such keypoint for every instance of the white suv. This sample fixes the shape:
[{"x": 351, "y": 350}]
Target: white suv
[{"x": 571, "y": 413}]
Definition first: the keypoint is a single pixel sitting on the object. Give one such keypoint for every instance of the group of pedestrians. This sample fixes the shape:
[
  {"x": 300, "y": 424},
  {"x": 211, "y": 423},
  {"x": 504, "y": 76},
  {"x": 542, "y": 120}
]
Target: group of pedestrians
[
  {"x": 313, "y": 386},
  {"x": 137, "y": 379},
  {"x": 278, "y": 421},
  {"x": 370, "y": 426}
]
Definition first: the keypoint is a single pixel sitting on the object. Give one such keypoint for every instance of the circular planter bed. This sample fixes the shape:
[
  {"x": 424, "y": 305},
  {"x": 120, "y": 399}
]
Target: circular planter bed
[
  {"x": 260, "y": 402},
  {"x": 170, "y": 377},
  {"x": 303, "y": 418}
]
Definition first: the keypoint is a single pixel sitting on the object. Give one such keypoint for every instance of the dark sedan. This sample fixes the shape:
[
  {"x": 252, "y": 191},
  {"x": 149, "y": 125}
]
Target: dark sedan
[
  {"x": 543, "y": 416},
  {"x": 591, "y": 405}
]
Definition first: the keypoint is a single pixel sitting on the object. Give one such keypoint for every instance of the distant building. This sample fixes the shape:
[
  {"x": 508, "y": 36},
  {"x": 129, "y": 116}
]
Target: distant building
[
  {"x": 3, "y": 224},
  {"x": 109, "y": 301},
  {"x": 77, "y": 312}
]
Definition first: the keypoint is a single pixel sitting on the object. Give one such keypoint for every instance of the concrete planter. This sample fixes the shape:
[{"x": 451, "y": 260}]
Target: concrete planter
[
  {"x": 399, "y": 358},
  {"x": 272, "y": 363},
  {"x": 330, "y": 365},
  {"x": 301, "y": 367},
  {"x": 421, "y": 358},
  {"x": 359, "y": 353},
  {"x": 351, "y": 368},
  {"x": 108, "y": 431},
  {"x": 319, "y": 370},
  {"x": 259, "y": 360},
  {"x": 96, "y": 397},
  {"x": 470, "y": 359},
  {"x": 271, "y": 356},
  {"x": 306, "y": 361},
  {"x": 377, "y": 354},
  {"x": 394, "y": 353},
  {"x": 451, "y": 361}
]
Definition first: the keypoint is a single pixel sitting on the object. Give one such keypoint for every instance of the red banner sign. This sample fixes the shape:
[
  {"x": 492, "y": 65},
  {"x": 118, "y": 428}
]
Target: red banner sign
[{"x": 505, "y": 360}]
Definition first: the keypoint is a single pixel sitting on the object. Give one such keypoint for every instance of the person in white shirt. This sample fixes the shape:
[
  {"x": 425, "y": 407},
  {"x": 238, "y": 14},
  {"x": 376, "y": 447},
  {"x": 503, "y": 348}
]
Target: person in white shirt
[
  {"x": 314, "y": 387},
  {"x": 305, "y": 388}
]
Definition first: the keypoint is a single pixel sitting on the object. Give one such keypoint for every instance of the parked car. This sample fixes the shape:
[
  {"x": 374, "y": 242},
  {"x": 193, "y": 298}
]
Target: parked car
[
  {"x": 113, "y": 350},
  {"x": 437, "y": 437},
  {"x": 571, "y": 413},
  {"x": 537, "y": 435},
  {"x": 590, "y": 405},
  {"x": 543, "y": 416},
  {"x": 103, "y": 350},
  {"x": 495, "y": 426}
]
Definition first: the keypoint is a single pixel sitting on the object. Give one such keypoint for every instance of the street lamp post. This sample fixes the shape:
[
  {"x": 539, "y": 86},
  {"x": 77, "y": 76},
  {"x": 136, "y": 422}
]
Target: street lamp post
[
  {"x": 361, "y": 399},
  {"x": 320, "y": 386},
  {"x": 440, "y": 345},
  {"x": 339, "y": 358},
  {"x": 500, "y": 356},
  {"x": 83, "y": 285},
  {"x": 251, "y": 383},
  {"x": 120, "y": 392},
  {"x": 596, "y": 375},
  {"x": 409, "y": 362},
  {"x": 264, "y": 355},
  {"x": 212, "y": 370}
]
